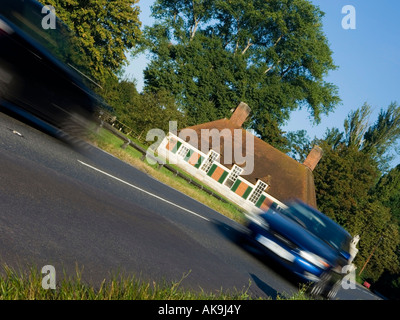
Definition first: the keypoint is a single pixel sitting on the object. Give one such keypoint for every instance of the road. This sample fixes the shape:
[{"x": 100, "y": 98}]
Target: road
[{"x": 69, "y": 207}]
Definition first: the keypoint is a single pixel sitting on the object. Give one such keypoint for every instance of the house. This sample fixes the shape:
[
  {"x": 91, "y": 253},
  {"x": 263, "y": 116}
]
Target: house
[{"x": 239, "y": 165}]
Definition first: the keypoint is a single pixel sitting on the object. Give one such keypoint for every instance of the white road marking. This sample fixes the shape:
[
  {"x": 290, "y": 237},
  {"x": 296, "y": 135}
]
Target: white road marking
[{"x": 142, "y": 190}]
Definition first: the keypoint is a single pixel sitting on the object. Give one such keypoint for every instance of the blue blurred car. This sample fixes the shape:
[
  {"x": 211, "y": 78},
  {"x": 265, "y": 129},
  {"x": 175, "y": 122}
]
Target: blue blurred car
[{"x": 307, "y": 242}]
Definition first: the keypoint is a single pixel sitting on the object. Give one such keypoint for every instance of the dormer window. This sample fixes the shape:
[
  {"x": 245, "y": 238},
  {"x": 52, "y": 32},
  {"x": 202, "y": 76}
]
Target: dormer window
[
  {"x": 233, "y": 175},
  {"x": 213, "y": 156},
  {"x": 257, "y": 192}
]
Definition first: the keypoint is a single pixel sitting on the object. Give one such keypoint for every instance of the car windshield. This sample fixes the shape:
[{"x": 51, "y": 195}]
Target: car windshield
[{"x": 319, "y": 225}]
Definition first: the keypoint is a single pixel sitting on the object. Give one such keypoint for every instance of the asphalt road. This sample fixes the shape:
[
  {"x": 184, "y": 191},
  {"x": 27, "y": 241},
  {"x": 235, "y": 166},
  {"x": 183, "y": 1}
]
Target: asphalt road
[{"x": 71, "y": 207}]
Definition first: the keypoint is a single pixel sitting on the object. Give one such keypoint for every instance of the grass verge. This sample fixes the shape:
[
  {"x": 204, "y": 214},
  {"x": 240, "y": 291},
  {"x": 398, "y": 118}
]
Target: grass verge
[{"x": 28, "y": 286}]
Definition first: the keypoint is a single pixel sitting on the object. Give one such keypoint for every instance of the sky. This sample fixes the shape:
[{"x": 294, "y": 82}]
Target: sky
[{"x": 367, "y": 56}]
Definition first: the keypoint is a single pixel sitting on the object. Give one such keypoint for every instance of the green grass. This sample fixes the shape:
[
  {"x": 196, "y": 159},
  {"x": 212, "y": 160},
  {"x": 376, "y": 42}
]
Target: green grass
[{"x": 28, "y": 286}]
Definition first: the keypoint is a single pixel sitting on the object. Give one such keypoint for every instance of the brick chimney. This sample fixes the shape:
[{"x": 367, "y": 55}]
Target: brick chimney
[
  {"x": 240, "y": 115},
  {"x": 313, "y": 158}
]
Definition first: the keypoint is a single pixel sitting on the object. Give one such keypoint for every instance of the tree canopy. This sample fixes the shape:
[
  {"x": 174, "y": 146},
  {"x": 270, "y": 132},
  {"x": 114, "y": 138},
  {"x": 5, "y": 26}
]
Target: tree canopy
[
  {"x": 355, "y": 188},
  {"x": 213, "y": 54},
  {"x": 104, "y": 31},
  {"x": 388, "y": 189}
]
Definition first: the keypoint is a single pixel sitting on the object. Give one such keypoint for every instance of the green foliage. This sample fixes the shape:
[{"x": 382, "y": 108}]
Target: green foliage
[
  {"x": 384, "y": 134},
  {"x": 355, "y": 126},
  {"x": 388, "y": 189},
  {"x": 155, "y": 111},
  {"x": 380, "y": 237},
  {"x": 350, "y": 187},
  {"x": 213, "y": 54},
  {"x": 104, "y": 31},
  {"x": 142, "y": 112},
  {"x": 123, "y": 97},
  {"x": 342, "y": 178},
  {"x": 299, "y": 145}
]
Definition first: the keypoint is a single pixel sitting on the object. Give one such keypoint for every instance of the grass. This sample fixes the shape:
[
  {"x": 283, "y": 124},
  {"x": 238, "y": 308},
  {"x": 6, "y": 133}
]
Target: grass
[
  {"x": 28, "y": 286},
  {"x": 111, "y": 144}
]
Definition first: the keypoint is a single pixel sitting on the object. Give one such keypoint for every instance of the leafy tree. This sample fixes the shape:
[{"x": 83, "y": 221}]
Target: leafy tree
[
  {"x": 388, "y": 191},
  {"x": 383, "y": 135},
  {"x": 104, "y": 30},
  {"x": 122, "y": 95},
  {"x": 155, "y": 111},
  {"x": 213, "y": 54},
  {"x": 356, "y": 125},
  {"x": 350, "y": 189},
  {"x": 343, "y": 178},
  {"x": 299, "y": 145},
  {"x": 141, "y": 112},
  {"x": 378, "y": 139},
  {"x": 379, "y": 236}
]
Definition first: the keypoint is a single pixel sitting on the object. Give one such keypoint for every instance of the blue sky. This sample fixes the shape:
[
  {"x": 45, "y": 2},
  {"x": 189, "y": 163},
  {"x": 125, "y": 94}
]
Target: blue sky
[{"x": 368, "y": 58}]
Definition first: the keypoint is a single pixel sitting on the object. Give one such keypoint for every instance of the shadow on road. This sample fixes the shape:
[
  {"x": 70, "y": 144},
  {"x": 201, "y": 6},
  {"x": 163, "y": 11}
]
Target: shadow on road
[{"x": 269, "y": 291}]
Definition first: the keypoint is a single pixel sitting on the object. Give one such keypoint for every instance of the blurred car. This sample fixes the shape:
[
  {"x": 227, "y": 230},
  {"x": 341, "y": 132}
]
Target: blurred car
[
  {"x": 38, "y": 76},
  {"x": 306, "y": 242}
]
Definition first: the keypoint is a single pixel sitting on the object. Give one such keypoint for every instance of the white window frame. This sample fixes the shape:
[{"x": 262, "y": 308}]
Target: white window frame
[
  {"x": 257, "y": 192},
  {"x": 207, "y": 164},
  {"x": 236, "y": 171},
  {"x": 183, "y": 151}
]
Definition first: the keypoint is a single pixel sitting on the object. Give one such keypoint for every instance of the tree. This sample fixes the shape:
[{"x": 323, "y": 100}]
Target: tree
[
  {"x": 350, "y": 187},
  {"x": 141, "y": 112},
  {"x": 384, "y": 134},
  {"x": 123, "y": 97},
  {"x": 154, "y": 111},
  {"x": 388, "y": 191},
  {"x": 343, "y": 178},
  {"x": 378, "y": 139},
  {"x": 379, "y": 235},
  {"x": 299, "y": 145},
  {"x": 356, "y": 125},
  {"x": 104, "y": 30},
  {"x": 213, "y": 54}
]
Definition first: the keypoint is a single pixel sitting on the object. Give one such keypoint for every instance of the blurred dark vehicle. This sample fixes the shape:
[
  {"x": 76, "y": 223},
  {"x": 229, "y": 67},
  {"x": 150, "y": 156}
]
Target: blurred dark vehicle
[
  {"x": 306, "y": 242},
  {"x": 37, "y": 72}
]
